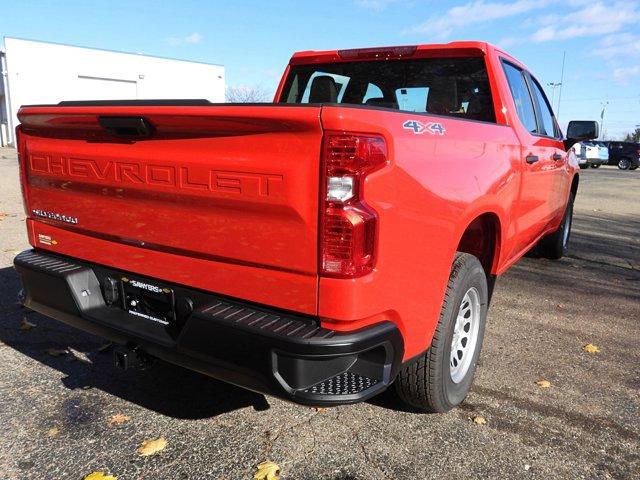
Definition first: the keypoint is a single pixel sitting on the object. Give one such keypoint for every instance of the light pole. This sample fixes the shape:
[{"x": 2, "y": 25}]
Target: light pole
[{"x": 564, "y": 54}]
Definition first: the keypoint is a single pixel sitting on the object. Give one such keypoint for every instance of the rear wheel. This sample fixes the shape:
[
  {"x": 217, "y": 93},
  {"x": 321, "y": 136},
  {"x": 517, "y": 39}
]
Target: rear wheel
[
  {"x": 633, "y": 167},
  {"x": 556, "y": 245},
  {"x": 624, "y": 164},
  {"x": 441, "y": 378},
  {"x": 595, "y": 165}
]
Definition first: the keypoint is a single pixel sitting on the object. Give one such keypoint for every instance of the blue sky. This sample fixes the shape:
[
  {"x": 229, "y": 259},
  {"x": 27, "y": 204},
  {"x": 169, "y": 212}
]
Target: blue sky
[{"x": 254, "y": 39}]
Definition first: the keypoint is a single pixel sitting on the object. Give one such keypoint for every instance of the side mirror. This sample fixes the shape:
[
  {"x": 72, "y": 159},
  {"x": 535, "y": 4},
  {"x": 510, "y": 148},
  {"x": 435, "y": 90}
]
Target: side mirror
[{"x": 579, "y": 130}]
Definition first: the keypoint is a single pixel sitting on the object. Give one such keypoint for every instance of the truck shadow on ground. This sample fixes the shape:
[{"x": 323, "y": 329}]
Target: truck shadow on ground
[
  {"x": 163, "y": 388},
  {"x": 604, "y": 251},
  {"x": 605, "y": 254}
]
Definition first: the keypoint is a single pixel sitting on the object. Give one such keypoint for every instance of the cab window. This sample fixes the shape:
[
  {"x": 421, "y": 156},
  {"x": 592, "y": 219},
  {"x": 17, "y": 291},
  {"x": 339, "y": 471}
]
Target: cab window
[
  {"x": 521, "y": 96},
  {"x": 547, "y": 122}
]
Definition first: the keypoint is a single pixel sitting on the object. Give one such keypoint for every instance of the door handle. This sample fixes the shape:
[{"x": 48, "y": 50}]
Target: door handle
[
  {"x": 531, "y": 159},
  {"x": 557, "y": 157}
]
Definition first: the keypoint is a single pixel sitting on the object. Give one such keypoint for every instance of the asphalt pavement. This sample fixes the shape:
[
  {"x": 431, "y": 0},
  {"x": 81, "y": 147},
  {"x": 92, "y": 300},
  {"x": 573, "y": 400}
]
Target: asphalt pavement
[{"x": 56, "y": 412}]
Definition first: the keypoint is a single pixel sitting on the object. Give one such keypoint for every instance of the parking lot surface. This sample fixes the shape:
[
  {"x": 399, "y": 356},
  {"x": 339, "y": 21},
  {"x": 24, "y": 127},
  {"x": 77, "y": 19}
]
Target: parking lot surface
[{"x": 55, "y": 411}]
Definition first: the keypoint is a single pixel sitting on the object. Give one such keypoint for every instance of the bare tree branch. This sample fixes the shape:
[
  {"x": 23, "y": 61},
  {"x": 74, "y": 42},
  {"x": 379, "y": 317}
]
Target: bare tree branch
[{"x": 246, "y": 94}]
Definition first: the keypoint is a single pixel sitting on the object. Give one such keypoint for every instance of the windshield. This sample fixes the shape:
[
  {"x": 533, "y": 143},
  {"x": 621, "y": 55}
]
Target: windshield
[{"x": 456, "y": 87}]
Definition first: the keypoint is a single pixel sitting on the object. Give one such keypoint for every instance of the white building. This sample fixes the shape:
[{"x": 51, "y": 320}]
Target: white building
[{"x": 45, "y": 73}]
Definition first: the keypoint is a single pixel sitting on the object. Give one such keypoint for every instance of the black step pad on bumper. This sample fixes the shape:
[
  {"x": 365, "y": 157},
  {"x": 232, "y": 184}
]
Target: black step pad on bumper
[{"x": 253, "y": 346}]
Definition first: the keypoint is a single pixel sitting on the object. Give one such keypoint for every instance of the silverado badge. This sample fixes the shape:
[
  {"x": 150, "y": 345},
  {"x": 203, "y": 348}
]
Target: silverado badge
[{"x": 54, "y": 216}]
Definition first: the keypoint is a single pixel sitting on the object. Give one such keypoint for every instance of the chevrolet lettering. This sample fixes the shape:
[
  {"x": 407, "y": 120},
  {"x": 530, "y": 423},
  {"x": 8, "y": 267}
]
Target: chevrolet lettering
[{"x": 251, "y": 184}]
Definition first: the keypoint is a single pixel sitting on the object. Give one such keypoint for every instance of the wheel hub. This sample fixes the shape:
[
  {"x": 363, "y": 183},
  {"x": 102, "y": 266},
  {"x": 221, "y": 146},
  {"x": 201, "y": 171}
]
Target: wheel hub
[{"x": 465, "y": 335}]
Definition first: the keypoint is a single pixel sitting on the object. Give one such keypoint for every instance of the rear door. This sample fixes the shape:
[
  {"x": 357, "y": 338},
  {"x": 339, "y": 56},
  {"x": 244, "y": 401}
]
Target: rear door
[
  {"x": 537, "y": 203},
  {"x": 550, "y": 136}
]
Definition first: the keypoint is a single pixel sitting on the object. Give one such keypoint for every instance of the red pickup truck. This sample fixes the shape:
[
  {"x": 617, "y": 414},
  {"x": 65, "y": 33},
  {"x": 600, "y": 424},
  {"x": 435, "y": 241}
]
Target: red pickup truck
[{"x": 317, "y": 248}]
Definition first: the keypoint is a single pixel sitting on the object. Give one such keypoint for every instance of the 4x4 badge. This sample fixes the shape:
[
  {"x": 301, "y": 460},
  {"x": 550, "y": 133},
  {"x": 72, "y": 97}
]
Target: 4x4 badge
[{"x": 418, "y": 127}]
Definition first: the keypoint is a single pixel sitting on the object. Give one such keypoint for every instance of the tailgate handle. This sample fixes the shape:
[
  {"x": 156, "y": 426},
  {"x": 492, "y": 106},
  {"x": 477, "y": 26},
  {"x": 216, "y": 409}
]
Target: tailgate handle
[{"x": 138, "y": 127}]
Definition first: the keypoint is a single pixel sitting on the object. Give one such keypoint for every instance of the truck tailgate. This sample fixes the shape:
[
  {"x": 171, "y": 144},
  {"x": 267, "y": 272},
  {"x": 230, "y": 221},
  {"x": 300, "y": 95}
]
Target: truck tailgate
[{"x": 227, "y": 186}]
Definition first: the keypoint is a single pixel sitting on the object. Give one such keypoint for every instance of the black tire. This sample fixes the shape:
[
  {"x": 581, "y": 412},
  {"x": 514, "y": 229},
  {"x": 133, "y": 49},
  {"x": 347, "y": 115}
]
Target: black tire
[
  {"x": 624, "y": 164},
  {"x": 633, "y": 167},
  {"x": 556, "y": 245},
  {"x": 426, "y": 383},
  {"x": 583, "y": 166},
  {"x": 595, "y": 165}
]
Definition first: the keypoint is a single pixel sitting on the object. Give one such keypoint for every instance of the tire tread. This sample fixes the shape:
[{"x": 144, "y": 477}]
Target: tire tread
[{"x": 418, "y": 383}]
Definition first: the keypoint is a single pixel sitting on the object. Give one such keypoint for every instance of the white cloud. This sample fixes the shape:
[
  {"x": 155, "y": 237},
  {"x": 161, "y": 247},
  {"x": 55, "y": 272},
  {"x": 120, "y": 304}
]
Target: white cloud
[
  {"x": 594, "y": 19},
  {"x": 619, "y": 46},
  {"x": 625, "y": 74},
  {"x": 195, "y": 37},
  {"x": 472, "y": 14},
  {"x": 192, "y": 39}
]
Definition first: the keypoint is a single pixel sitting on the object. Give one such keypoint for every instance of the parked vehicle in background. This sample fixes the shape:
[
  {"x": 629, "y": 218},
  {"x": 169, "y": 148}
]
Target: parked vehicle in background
[
  {"x": 580, "y": 151},
  {"x": 318, "y": 248},
  {"x": 597, "y": 154},
  {"x": 591, "y": 154},
  {"x": 625, "y": 155}
]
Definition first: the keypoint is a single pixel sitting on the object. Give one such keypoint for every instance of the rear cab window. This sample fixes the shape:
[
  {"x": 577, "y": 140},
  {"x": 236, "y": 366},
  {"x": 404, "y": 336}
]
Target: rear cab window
[{"x": 457, "y": 87}]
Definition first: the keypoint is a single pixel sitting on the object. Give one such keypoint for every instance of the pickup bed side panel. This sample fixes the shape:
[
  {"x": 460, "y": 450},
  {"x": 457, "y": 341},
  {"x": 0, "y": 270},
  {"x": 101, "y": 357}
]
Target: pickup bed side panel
[
  {"x": 220, "y": 198},
  {"x": 432, "y": 189}
]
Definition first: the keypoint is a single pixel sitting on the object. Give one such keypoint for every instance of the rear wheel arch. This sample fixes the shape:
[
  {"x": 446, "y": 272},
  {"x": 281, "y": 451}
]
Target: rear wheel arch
[{"x": 482, "y": 239}]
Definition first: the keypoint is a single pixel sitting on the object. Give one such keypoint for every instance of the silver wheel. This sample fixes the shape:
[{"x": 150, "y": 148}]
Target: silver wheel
[
  {"x": 465, "y": 335},
  {"x": 624, "y": 164}
]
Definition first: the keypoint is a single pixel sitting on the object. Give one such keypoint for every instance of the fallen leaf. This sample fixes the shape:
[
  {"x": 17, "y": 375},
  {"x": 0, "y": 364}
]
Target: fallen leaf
[
  {"x": 151, "y": 447},
  {"x": 119, "y": 419},
  {"x": 591, "y": 348},
  {"x": 321, "y": 409},
  {"x": 99, "y": 476},
  {"x": 267, "y": 471},
  {"x": 542, "y": 383},
  {"x": 57, "y": 352},
  {"x": 479, "y": 420},
  {"x": 26, "y": 325},
  {"x": 53, "y": 432}
]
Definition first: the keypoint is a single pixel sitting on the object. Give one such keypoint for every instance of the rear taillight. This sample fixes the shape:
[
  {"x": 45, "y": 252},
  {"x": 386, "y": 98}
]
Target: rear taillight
[
  {"x": 348, "y": 227},
  {"x": 22, "y": 165}
]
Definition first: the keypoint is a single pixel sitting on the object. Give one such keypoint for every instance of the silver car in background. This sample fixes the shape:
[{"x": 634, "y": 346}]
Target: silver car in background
[
  {"x": 591, "y": 154},
  {"x": 597, "y": 153}
]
